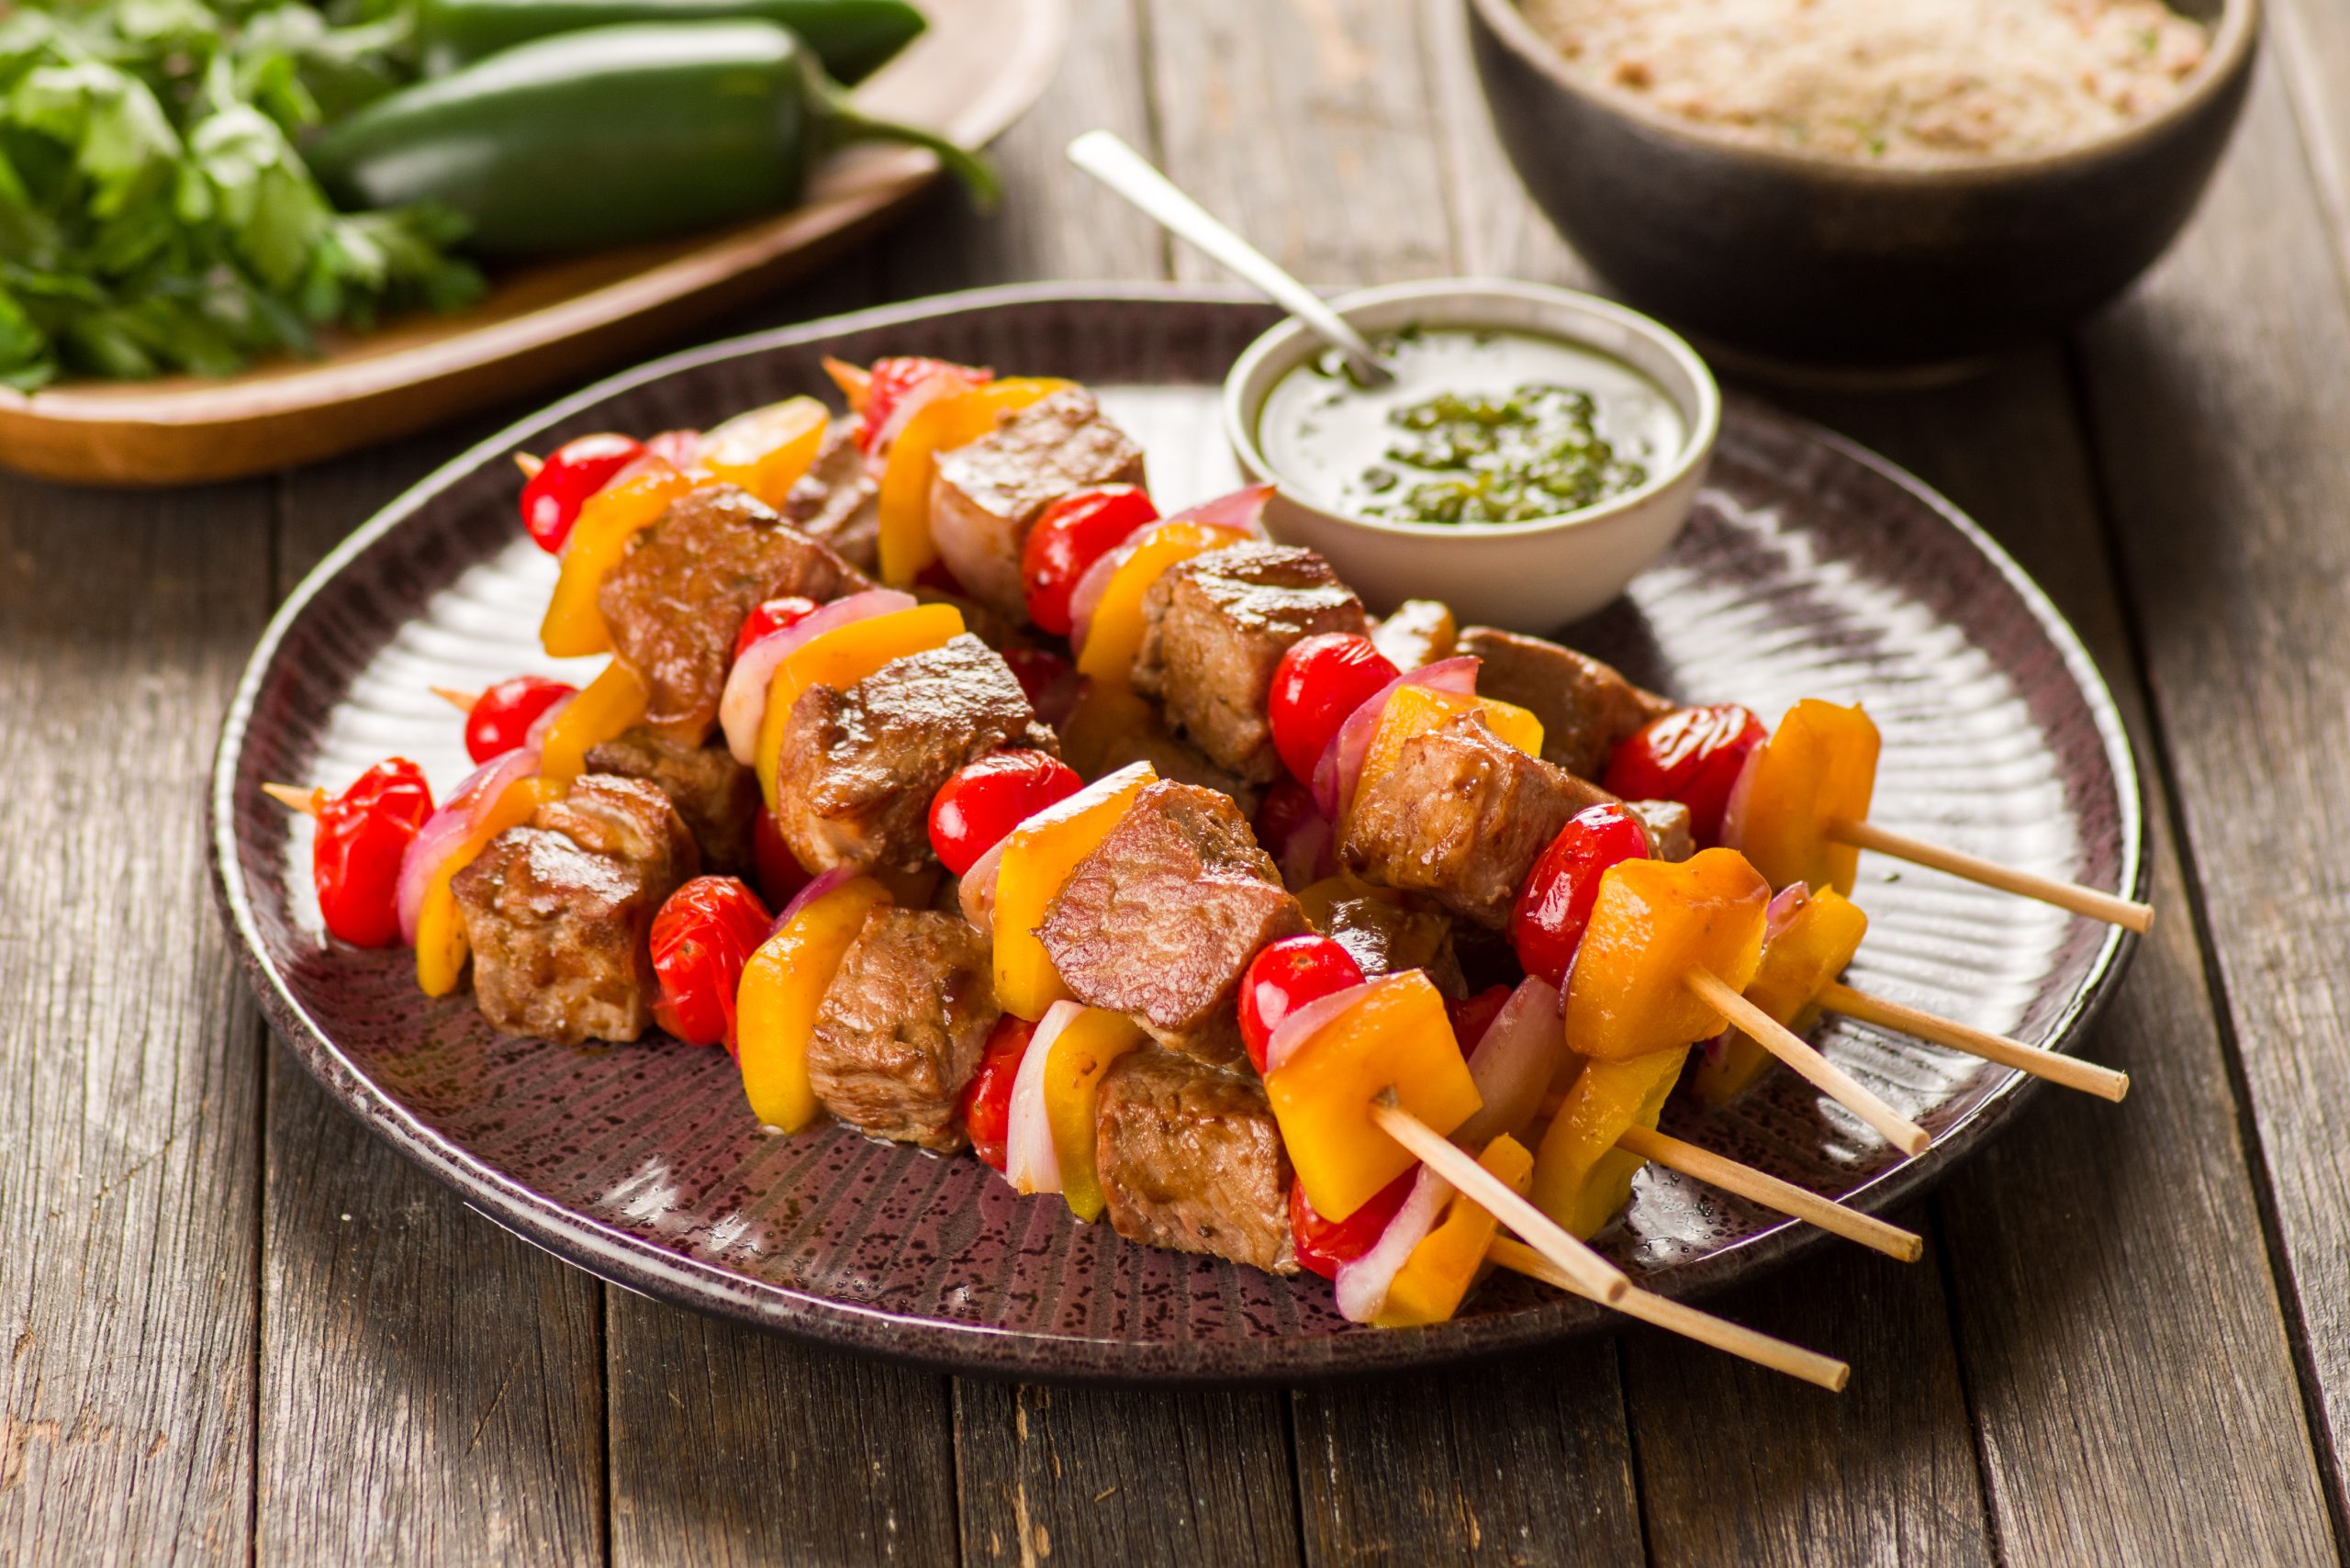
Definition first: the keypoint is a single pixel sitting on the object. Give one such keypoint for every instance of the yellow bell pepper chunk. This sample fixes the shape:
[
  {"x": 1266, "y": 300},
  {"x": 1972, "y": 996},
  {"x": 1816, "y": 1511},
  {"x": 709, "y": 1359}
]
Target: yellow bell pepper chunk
[
  {"x": 1113, "y": 636},
  {"x": 1395, "y": 1036},
  {"x": 613, "y": 702},
  {"x": 1581, "y": 1178},
  {"x": 1655, "y": 923},
  {"x": 1431, "y": 1285},
  {"x": 1820, "y": 766},
  {"x": 1038, "y": 857},
  {"x": 441, "y": 948},
  {"x": 942, "y": 425},
  {"x": 766, "y": 450},
  {"x": 1414, "y": 711},
  {"x": 1079, "y": 1056},
  {"x": 782, "y": 989},
  {"x": 1815, "y": 947},
  {"x": 614, "y": 515},
  {"x": 840, "y": 658}
]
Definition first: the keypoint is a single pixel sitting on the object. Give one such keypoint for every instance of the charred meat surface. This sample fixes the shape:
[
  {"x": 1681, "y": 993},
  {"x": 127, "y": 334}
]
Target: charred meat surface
[
  {"x": 837, "y": 502},
  {"x": 558, "y": 913},
  {"x": 1215, "y": 627},
  {"x": 1190, "y": 1159},
  {"x": 1667, "y": 823},
  {"x": 717, "y": 796},
  {"x": 984, "y": 497},
  {"x": 676, "y": 601},
  {"x": 1420, "y": 632},
  {"x": 1161, "y": 919},
  {"x": 858, "y": 767},
  {"x": 1384, "y": 932},
  {"x": 1586, "y": 708},
  {"x": 1461, "y": 817},
  {"x": 902, "y": 1026}
]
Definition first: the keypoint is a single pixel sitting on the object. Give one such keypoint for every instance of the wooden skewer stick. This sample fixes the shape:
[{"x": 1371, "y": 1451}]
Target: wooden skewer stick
[
  {"x": 1791, "y": 1048},
  {"x": 1717, "y": 1171},
  {"x": 528, "y": 465},
  {"x": 1593, "y": 1275},
  {"x": 1824, "y": 1371},
  {"x": 293, "y": 797},
  {"x": 463, "y": 702},
  {"x": 2070, "y": 1071},
  {"x": 2126, "y": 912}
]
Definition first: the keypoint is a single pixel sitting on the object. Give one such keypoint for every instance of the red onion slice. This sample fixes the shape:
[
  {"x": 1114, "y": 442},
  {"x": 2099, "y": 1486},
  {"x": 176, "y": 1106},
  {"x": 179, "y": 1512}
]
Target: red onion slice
[
  {"x": 1244, "y": 509},
  {"x": 1514, "y": 1063},
  {"x": 818, "y": 886},
  {"x": 449, "y": 827},
  {"x": 1741, "y": 799},
  {"x": 1031, "y": 1161},
  {"x": 923, "y": 394},
  {"x": 535, "y": 739},
  {"x": 1362, "y": 1285},
  {"x": 976, "y": 892},
  {"x": 1292, "y": 1031},
  {"x": 1086, "y": 598},
  {"x": 1785, "y": 905},
  {"x": 745, "y": 701},
  {"x": 1341, "y": 770}
]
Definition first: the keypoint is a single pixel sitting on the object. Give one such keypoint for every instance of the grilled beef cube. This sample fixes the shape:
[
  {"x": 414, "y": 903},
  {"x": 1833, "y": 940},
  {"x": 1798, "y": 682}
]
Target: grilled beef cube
[
  {"x": 677, "y": 601},
  {"x": 1667, "y": 823},
  {"x": 837, "y": 502},
  {"x": 559, "y": 912},
  {"x": 858, "y": 767},
  {"x": 1190, "y": 1159},
  {"x": 902, "y": 1026},
  {"x": 985, "y": 496},
  {"x": 1216, "y": 625},
  {"x": 1420, "y": 632},
  {"x": 1160, "y": 921},
  {"x": 1383, "y": 933},
  {"x": 1586, "y": 708},
  {"x": 717, "y": 796},
  {"x": 1461, "y": 817}
]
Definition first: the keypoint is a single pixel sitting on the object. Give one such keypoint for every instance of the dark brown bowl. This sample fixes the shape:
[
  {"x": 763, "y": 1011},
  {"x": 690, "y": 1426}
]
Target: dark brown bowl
[{"x": 1820, "y": 261}]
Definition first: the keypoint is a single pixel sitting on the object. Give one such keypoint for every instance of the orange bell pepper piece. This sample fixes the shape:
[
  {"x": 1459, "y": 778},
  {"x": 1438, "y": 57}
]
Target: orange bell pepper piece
[
  {"x": 1815, "y": 947},
  {"x": 1414, "y": 711},
  {"x": 1113, "y": 636},
  {"x": 1820, "y": 766},
  {"x": 441, "y": 948},
  {"x": 614, "y": 515},
  {"x": 782, "y": 989},
  {"x": 1431, "y": 1285},
  {"x": 1581, "y": 1178},
  {"x": 942, "y": 425},
  {"x": 1079, "y": 1054},
  {"x": 1397, "y": 1036},
  {"x": 840, "y": 658},
  {"x": 613, "y": 702},
  {"x": 1655, "y": 923},
  {"x": 766, "y": 450},
  {"x": 1038, "y": 857}
]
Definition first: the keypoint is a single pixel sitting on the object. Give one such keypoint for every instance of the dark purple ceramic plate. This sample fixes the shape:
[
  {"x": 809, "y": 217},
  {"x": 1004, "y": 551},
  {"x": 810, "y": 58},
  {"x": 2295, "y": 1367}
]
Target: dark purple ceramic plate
[{"x": 1811, "y": 568}]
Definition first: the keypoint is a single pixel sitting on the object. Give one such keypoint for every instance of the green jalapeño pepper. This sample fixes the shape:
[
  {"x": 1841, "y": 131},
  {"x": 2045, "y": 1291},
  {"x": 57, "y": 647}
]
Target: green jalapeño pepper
[
  {"x": 851, "y": 37},
  {"x": 602, "y": 137}
]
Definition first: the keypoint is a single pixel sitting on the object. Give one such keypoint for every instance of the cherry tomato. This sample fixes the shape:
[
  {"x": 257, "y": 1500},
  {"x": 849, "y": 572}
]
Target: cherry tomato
[
  {"x": 889, "y": 380},
  {"x": 1049, "y": 680},
  {"x": 775, "y": 615},
  {"x": 1283, "y": 978},
  {"x": 702, "y": 937},
  {"x": 1692, "y": 756},
  {"x": 1474, "y": 1016},
  {"x": 986, "y": 1105},
  {"x": 974, "y": 809},
  {"x": 1318, "y": 683},
  {"x": 680, "y": 449},
  {"x": 501, "y": 717},
  {"x": 1324, "y": 1246},
  {"x": 1074, "y": 533},
  {"x": 1555, "y": 904},
  {"x": 780, "y": 874},
  {"x": 355, "y": 857},
  {"x": 573, "y": 472}
]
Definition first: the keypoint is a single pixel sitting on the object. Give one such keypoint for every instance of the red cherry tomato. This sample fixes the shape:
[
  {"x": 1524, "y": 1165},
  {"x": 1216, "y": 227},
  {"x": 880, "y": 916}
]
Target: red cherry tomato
[
  {"x": 891, "y": 379},
  {"x": 355, "y": 857},
  {"x": 1692, "y": 756},
  {"x": 1317, "y": 684},
  {"x": 1074, "y": 533},
  {"x": 775, "y": 615},
  {"x": 1555, "y": 904},
  {"x": 1474, "y": 1016},
  {"x": 974, "y": 809},
  {"x": 986, "y": 1105},
  {"x": 573, "y": 472},
  {"x": 501, "y": 717},
  {"x": 1049, "y": 680},
  {"x": 780, "y": 874},
  {"x": 678, "y": 449},
  {"x": 1283, "y": 978},
  {"x": 1324, "y": 1246},
  {"x": 701, "y": 939}
]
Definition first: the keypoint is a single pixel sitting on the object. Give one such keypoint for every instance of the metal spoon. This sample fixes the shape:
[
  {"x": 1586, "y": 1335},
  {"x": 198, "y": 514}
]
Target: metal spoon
[{"x": 1108, "y": 159}]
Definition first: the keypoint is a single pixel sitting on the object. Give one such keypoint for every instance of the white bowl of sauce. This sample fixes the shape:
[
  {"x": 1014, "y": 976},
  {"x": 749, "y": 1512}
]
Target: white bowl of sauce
[{"x": 1537, "y": 448}]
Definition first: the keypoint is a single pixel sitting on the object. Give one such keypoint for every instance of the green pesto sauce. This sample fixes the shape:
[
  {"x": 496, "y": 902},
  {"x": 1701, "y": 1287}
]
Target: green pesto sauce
[{"x": 1480, "y": 426}]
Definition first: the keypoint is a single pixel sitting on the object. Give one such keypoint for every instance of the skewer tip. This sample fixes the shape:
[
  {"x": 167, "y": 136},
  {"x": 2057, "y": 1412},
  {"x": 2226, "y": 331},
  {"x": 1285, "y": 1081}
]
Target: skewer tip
[
  {"x": 294, "y": 798},
  {"x": 463, "y": 702},
  {"x": 529, "y": 463}
]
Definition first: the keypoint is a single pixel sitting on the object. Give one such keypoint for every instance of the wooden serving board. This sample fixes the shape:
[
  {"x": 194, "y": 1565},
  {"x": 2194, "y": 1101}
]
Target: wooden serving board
[{"x": 977, "y": 69}]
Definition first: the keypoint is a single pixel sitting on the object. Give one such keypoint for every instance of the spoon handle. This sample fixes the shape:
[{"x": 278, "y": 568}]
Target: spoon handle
[{"x": 1108, "y": 159}]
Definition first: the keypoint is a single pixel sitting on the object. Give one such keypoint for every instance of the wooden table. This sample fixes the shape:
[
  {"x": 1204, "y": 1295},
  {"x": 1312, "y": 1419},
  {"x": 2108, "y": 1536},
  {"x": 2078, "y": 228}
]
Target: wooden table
[{"x": 236, "y": 1326}]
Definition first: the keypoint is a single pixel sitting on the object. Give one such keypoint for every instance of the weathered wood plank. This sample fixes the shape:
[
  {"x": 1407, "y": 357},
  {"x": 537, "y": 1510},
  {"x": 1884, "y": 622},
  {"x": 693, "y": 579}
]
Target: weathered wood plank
[{"x": 129, "y": 1053}]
